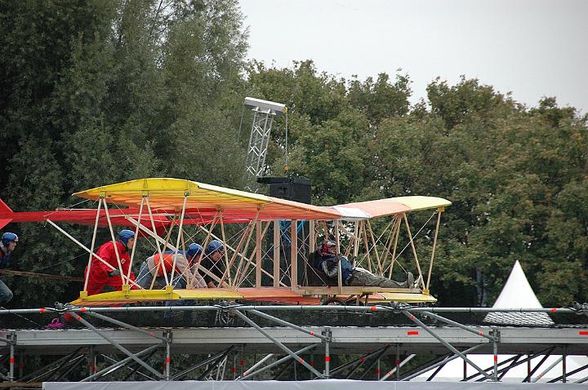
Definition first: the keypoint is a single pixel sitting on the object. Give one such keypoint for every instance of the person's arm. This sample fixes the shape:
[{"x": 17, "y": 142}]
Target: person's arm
[
  {"x": 106, "y": 253},
  {"x": 5, "y": 261},
  {"x": 329, "y": 267},
  {"x": 182, "y": 264}
]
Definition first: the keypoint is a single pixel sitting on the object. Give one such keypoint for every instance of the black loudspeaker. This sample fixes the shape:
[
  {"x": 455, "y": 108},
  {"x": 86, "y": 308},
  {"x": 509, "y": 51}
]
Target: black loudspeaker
[{"x": 290, "y": 188}]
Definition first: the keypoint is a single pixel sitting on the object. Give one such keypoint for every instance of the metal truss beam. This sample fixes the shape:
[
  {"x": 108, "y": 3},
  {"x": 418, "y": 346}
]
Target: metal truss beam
[{"x": 371, "y": 343}]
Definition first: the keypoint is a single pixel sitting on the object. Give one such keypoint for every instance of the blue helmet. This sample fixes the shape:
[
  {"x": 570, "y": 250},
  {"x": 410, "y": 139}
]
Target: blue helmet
[
  {"x": 193, "y": 250},
  {"x": 9, "y": 237},
  {"x": 125, "y": 235},
  {"x": 213, "y": 246}
]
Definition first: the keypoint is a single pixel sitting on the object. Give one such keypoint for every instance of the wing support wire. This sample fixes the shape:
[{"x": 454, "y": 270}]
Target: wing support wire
[{"x": 86, "y": 249}]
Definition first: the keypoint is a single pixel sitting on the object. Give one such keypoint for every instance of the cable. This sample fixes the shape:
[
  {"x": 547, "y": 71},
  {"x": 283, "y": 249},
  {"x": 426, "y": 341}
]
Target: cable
[{"x": 286, "y": 159}]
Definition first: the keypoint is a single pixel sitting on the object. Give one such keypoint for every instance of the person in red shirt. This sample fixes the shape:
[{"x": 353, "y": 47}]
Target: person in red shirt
[{"x": 102, "y": 278}]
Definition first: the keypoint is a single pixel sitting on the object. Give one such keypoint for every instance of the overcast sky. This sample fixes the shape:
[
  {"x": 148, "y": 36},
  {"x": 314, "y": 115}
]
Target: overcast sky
[{"x": 532, "y": 48}]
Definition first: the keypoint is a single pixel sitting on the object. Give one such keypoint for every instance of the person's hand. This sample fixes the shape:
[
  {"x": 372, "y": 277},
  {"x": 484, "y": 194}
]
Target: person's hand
[{"x": 114, "y": 272}]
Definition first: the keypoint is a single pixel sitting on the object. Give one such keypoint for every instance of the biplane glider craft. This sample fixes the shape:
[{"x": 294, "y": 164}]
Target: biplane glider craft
[{"x": 268, "y": 242}]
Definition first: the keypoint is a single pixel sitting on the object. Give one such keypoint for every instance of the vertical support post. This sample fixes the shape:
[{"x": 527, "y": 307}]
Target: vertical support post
[
  {"x": 378, "y": 370},
  {"x": 311, "y": 236},
  {"x": 12, "y": 359},
  {"x": 397, "y": 362},
  {"x": 257, "y": 253},
  {"x": 338, "y": 252},
  {"x": 495, "y": 357},
  {"x": 91, "y": 360},
  {"x": 277, "y": 253},
  {"x": 168, "y": 340},
  {"x": 564, "y": 356},
  {"x": 328, "y": 334},
  {"x": 294, "y": 253}
]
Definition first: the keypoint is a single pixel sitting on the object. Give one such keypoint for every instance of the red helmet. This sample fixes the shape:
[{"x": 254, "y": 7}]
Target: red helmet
[{"x": 328, "y": 246}]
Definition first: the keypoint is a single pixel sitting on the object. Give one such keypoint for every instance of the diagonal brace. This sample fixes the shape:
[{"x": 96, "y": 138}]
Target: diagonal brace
[
  {"x": 411, "y": 317},
  {"x": 279, "y": 344},
  {"x": 117, "y": 345}
]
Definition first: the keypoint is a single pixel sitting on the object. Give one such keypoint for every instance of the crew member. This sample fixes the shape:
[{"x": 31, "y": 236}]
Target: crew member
[{"x": 101, "y": 277}]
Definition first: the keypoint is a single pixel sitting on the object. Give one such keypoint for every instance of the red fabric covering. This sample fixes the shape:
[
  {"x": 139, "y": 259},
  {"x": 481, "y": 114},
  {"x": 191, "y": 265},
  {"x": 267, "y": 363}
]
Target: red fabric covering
[{"x": 98, "y": 277}]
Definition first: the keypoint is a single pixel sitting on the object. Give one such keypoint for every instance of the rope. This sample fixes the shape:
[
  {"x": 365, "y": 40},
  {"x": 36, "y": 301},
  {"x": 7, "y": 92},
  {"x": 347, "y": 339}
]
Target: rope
[{"x": 41, "y": 275}]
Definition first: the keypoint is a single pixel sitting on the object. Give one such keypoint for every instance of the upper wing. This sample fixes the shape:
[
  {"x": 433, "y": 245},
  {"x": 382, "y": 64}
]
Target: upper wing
[
  {"x": 389, "y": 206},
  {"x": 204, "y": 201}
]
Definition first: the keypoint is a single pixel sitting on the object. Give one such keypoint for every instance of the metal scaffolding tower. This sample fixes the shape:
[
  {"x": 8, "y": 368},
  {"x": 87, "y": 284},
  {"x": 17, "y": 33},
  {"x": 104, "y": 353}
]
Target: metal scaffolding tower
[{"x": 264, "y": 113}]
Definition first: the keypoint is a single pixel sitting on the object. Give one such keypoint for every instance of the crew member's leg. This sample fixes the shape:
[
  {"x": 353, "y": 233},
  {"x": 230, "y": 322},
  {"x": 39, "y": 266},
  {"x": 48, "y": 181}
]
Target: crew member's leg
[
  {"x": 5, "y": 293},
  {"x": 145, "y": 277},
  {"x": 361, "y": 278}
]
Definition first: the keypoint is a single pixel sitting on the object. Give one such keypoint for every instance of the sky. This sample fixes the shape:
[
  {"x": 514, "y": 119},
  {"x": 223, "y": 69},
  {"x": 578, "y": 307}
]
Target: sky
[{"x": 531, "y": 48}]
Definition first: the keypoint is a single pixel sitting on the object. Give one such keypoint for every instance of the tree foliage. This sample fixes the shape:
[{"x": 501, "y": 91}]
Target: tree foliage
[{"x": 94, "y": 92}]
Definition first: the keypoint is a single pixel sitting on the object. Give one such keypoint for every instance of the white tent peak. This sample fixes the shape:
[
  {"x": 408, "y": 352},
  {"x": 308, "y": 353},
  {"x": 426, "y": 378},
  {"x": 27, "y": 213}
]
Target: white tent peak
[{"x": 517, "y": 293}]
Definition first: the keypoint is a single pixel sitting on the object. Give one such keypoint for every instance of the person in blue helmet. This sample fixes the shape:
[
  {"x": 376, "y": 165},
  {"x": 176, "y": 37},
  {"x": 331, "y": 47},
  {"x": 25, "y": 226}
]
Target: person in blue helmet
[
  {"x": 107, "y": 277},
  {"x": 212, "y": 262},
  {"x": 151, "y": 274},
  {"x": 7, "y": 246}
]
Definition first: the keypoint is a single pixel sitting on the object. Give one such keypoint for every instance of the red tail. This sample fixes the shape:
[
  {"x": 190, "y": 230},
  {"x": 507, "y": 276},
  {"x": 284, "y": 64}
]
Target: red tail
[{"x": 5, "y": 213}]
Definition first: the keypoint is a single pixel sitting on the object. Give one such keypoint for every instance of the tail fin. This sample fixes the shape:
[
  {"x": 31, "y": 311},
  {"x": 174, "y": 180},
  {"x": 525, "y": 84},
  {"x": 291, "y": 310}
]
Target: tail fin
[{"x": 5, "y": 213}]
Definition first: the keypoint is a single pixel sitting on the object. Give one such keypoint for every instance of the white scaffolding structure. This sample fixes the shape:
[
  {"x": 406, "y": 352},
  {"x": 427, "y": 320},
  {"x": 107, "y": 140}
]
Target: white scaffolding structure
[
  {"x": 264, "y": 113},
  {"x": 269, "y": 336}
]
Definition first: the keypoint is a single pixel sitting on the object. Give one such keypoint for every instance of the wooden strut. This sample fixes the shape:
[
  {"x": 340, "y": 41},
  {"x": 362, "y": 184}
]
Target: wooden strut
[
  {"x": 180, "y": 233},
  {"x": 136, "y": 236},
  {"x": 439, "y": 212},
  {"x": 87, "y": 276},
  {"x": 367, "y": 246},
  {"x": 123, "y": 279},
  {"x": 396, "y": 229},
  {"x": 388, "y": 245},
  {"x": 159, "y": 251},
  {"x": 257, "y": 247},
  {"x": 243, "y": 241},
  {"x": 246, "y": 271},
  {"x": 232, "y": 249},
  {"x": 416, "y": 258}
]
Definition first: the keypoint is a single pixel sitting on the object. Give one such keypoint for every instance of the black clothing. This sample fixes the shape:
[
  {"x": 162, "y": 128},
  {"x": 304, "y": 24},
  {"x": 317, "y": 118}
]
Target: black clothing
[{"x": 217, "y": 269}]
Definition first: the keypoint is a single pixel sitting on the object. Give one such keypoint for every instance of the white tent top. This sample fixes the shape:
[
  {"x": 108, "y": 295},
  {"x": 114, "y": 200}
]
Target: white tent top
[{"x": 517, "y": 293}]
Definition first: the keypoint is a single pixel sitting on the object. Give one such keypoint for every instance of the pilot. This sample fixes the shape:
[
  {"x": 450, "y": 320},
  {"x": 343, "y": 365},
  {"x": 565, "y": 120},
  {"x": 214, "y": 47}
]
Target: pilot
[
  {"x": 215, "y": 251},
  {"x": 326, "y": 260},
  {"x": 7, "y": 245},
  {"x": 102, "y": 278},
  {"x": 186, "y": 264}
]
